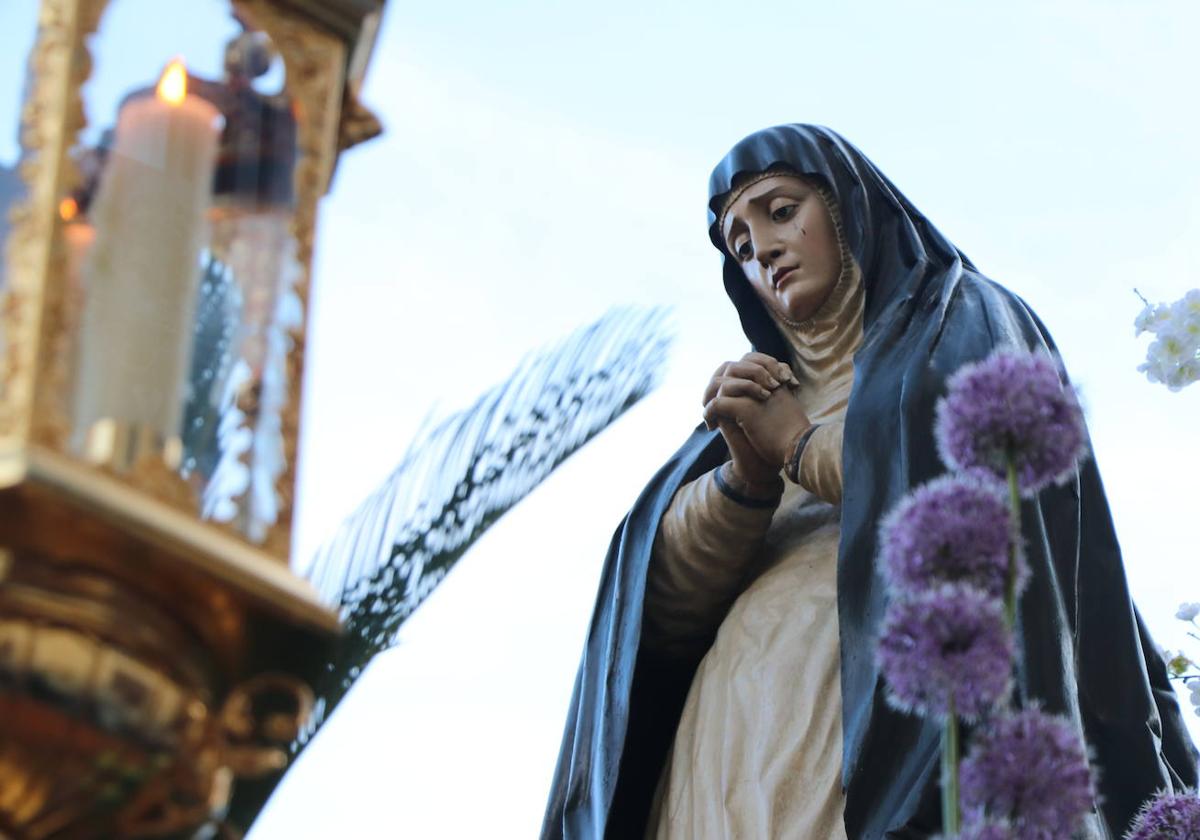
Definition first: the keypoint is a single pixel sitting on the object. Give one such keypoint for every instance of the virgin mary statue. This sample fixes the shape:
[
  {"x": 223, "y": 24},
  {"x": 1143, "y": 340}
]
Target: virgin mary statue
[{"x": 729, "y": 686}]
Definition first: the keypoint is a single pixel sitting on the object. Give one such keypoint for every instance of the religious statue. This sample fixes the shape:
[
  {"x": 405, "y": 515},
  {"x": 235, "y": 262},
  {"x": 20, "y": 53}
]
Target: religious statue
[{"x": 729, "y": 686}]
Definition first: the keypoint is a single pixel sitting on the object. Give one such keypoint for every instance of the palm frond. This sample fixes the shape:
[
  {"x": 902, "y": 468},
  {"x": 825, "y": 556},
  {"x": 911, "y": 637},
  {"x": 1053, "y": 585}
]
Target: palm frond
[{"x": 460, "y": 476}]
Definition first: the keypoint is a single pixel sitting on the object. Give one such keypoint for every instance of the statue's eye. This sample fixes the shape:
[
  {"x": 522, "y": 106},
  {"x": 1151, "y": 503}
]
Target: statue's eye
[
  {"x": 744, "y": 250},
  {"x": 782, "y": 214}
]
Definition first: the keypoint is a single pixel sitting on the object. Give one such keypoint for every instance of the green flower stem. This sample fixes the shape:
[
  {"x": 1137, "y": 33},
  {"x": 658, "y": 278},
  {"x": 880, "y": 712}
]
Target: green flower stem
[
  {"x": 950, "y": 815},
  {"x": 1014, "y": 543}
]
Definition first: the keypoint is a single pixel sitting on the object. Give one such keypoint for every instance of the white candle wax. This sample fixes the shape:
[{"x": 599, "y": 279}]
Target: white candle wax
[
  {"x": 150, "y": 219},
  {"x": 78, "y": 238}
]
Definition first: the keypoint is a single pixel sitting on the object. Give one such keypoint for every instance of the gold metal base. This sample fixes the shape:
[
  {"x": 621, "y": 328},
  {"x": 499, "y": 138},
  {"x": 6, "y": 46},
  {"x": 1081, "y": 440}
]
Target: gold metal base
[
  {"x": 64, "y": 777},
  {"x": 70, "y": 510},
  {"x": 145, "y": 659}
]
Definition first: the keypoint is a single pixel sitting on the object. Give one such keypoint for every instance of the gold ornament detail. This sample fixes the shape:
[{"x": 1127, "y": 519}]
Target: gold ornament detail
[{"x": 313, "y": 62}]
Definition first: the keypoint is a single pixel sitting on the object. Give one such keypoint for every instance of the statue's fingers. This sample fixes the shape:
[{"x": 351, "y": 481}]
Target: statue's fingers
[
  {"x": 727, "y": 408},
  {"x": 754, "y": 372},
  {"x": 780, "y": 370},
  {"x": 714, "y": 382},
  {"x": 731, "y": 387}
]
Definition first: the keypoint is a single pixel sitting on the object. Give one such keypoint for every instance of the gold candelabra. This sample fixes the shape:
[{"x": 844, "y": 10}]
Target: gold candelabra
[{"x": 157, "y": 237}]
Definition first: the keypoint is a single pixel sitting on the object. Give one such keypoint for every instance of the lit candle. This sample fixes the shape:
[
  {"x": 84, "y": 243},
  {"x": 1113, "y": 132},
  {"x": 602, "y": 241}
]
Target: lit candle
[
  {"x": 140, "y": 284},
  {"x": 78, "y": 237}
]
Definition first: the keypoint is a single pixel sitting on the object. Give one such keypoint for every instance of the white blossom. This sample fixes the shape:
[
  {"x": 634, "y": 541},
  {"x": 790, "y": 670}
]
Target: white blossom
[
  {"x": 1188, "y": 611},
  {"x": 1171, "y": 346},
  {"x": 1150, "y": 317},
  {"x": 1173, "y": 358},
  {"x": 1184, "y": 323},
  {"x": 1183, "y": 374}
]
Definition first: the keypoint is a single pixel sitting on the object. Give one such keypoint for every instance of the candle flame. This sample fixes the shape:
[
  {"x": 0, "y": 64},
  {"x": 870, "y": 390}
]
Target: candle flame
[
  {"x": 172, "y": 87},
  {"x": 68, "y": 209}
]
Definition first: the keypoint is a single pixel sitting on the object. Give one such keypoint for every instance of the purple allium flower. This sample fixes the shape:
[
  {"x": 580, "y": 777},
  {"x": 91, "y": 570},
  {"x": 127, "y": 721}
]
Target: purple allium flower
[
  {"x": 988, "y": 831},
  {"x": 984, "y": 831},
  {"x": 1012, "y": 399},
  {"x": 954, "y": 529},
  {"x": 950, "y": 642},
  {"x": 1168, "y": 816},
  {"x": 1031, "y": 768}
]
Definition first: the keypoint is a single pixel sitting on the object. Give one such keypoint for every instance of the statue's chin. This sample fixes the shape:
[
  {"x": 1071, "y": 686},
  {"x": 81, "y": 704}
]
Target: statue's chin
[
  {"x": 796, "y": 309},
  {"x": 798, "y": 303}
]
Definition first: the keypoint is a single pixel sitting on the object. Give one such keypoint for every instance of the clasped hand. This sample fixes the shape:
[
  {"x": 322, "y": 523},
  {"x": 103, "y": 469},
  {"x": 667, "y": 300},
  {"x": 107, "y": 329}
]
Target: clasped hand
[{"x": 758, "y": 414}]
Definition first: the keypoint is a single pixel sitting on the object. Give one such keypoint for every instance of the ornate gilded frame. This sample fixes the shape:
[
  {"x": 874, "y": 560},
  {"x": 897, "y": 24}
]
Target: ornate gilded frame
[{"x": 35, "y": 366}]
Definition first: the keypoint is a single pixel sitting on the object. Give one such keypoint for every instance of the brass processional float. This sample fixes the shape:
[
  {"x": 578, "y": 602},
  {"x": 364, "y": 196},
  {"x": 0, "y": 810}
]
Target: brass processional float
[{"x": 157, "y": 219}]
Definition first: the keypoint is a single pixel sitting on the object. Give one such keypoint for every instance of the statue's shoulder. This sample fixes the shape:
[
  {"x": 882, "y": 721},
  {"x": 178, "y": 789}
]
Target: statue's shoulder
[{"x": 993, "y": 314}]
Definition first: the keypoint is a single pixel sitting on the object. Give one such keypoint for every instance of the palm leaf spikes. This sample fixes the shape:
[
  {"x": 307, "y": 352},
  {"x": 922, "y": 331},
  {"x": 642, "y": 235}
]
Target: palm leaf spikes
[{"x": 461, "y": 475}]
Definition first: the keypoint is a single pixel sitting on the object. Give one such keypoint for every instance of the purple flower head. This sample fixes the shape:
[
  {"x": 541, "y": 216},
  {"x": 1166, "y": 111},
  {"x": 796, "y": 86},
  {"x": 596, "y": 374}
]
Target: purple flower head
[
  {"x": 1168, "y": 816},
  {"x": 988, "y": 831},
  {"x": 1012, "y": 400},
  {"x": 1030, "y": 768},
  {"x": 954, "y": 529},
  {"x": 946, "y": 644},
  {"x": 984, "y": 831}
]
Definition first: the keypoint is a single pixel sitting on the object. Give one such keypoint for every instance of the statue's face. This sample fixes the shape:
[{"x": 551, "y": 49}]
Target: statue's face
[{"x": 781, "y": 233}]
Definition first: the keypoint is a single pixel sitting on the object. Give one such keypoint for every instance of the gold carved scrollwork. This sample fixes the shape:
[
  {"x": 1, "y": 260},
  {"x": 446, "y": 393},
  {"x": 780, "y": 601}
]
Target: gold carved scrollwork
[
  {"x": 359, "y": 123},
  {"x": 50, "y": 425},
  {"x": 247, "y": 739},
  {"x": 50, "y": 119},
  {"x": 113, "y": 719}
]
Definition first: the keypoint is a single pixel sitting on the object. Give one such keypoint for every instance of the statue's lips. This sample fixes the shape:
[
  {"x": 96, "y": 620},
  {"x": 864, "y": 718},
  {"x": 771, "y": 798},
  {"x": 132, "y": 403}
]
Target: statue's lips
[{"x": 781, "y": 278}]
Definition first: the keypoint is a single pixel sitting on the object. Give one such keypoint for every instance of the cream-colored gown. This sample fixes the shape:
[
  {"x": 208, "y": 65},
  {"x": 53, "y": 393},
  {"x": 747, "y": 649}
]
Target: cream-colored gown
[{"x": 758, "y": 751}]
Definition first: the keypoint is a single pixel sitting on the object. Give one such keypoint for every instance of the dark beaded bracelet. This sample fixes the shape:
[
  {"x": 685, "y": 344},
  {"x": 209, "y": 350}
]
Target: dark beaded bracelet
[
  {"x": 744, "y": 493},
  {"x": 793, "y": 465}
]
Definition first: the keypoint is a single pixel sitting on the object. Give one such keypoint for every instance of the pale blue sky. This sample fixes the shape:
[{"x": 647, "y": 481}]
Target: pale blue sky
[{"x": 545, "y": 160}]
